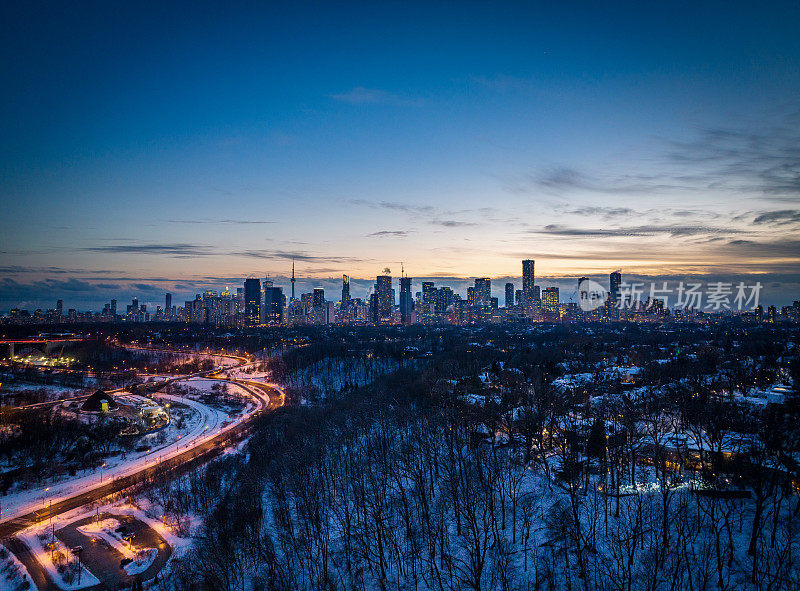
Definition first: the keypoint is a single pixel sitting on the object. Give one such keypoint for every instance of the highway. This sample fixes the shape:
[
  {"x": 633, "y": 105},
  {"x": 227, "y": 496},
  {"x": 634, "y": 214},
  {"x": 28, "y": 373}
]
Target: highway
[{"x": 202, "y": 450}]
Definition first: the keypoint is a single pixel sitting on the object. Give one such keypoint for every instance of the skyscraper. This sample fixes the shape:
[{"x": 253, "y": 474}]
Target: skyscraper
[
  {"x": 444, "y": 298},
  {"x": 319, "y": 297},
  {"x": 60, "y": 308},
  {"x": 483, "y": 291},
  {"x": 428, "y": 292},
  {"x": 384, "y": 299},
  {"x": 273, "y": 308},
  {"x": 615, "y": 280},
  {"x": 167, "y": 303},
  {"x": 345, "y": 291},
  {"x": 406, "y": 300},
  {"x": 550, "y": 299},
  {"x": 509, "y": 295},
  {"x": 252, "y": 301},
  {"x": 527, "y": 285}
]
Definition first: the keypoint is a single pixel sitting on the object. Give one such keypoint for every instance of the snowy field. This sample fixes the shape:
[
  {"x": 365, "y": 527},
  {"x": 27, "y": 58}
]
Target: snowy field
[{"x": 13, "y": 573}]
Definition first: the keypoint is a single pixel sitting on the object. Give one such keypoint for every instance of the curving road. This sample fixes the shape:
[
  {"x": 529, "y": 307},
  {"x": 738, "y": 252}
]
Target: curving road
[{"x": 200, "y": 451}]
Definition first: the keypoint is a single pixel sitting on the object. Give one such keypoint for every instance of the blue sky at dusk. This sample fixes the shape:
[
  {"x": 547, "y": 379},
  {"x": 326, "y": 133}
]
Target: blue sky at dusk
[{"x": 147, "y": 148}]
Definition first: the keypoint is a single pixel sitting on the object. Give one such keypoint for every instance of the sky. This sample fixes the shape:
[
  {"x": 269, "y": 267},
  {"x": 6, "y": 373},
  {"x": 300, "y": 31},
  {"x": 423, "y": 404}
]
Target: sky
[{"x": 153, "y": 147}]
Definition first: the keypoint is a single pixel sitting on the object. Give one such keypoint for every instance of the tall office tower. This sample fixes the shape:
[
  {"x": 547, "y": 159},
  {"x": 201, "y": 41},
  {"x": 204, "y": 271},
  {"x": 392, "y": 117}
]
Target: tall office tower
[
  {"x": 345, "y": 291},
  {"x": 509, "y": 295},
  {"x": 428, "y": 292},
  {"x": 550, "y": 299},
  {"x": 135, "y": 305},
  {"x": 537, "y": 298},
  {"x": 373, "y": 308},
  {"x": 238, "y": 304},
  {"x": 771, "y": 314},
  {"x": 384, "y": 298},
  {"x": 252, "y": 301},
  {"x": 273, "y": 308},
  {"x": 614, "y": 281},
  {"x": 483, "y": 291},
  {"x": 518, "y": 297},
  {"x": 444, "y": 299},
  {"x": 60, "y": 308},
  {"x": 470, "y": 296},
  {"x": 406, "y": 300},
  {"x": 113, "y": 307},
  {"x": 307, "y": 299},
  {"x": 527, "y": 285},
  {"x": 494, "y": 303},
  {"x": 583, "y": 291},
  {"x": 168, "y": 303},
  {"x": 318, "y": 300}
]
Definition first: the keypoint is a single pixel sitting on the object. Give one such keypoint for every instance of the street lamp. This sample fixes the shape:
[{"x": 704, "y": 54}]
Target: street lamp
[
  {"x": 101, "y": 471},
  {"x": 44, "y": 491}
]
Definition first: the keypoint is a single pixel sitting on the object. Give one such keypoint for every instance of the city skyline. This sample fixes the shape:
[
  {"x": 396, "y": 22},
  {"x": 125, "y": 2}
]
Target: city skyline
[
  {"x": 362, "y": 287},
  {"x": 261, "y": 302},
  {"x": 182, "y": 152}
]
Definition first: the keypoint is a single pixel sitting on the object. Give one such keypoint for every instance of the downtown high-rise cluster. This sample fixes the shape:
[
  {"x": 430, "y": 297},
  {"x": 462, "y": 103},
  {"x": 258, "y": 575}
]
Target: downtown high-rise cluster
[{"x": 259, "y": 302}]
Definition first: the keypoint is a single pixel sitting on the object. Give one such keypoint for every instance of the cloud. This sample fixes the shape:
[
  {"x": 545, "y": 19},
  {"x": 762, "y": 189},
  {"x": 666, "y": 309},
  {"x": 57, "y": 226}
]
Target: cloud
[
  {"x": 762, "y": 157},
  {"x": 781, "y": 218},
  {"x": 606, "y": 212},
  {"x": 781, "y": 248},
  {"x": 759, "y": 159},
  {"x": 145, "y": 286},
  {"x": 294, "y": 255},
  {"x": 426, "y": 211},
  {"x": 452, "y": 223},
  {"x": 360, "y": 95},
  {"x": 178, "y": 249},
  {"x": 648, "y": 230},
  {"x": 390, "y": 234},
  {"x": 396, "y": 206},
  {"x": 566, "y": 179},
  {"x": 19, "y": 269},
  {"x": 70, "y": 285},
  {"x": 225, "y": 221}
]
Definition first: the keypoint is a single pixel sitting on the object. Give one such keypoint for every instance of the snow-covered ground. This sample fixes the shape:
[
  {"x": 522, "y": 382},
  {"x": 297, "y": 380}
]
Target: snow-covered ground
[
  {"x": 143, "y": 511},
  {"x": 141, "y": 558},
  {"x": 247, "y": 372},
  {"x": 13, "y": 573},
  {"x": 142, "y": 561},
  {"x": 56, "y": 558},
  {"x": 201, "y": 423},
  {"x": 150, "y": 514},
  {"x": 183, "y": 356},
  {"x": 27, "y": 393}
]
